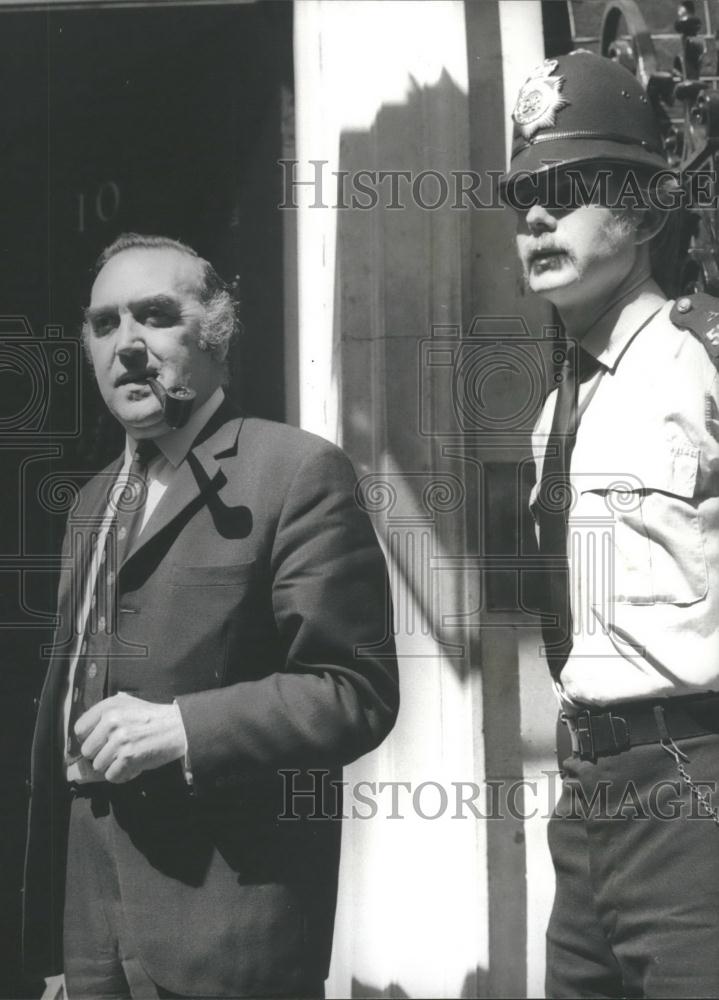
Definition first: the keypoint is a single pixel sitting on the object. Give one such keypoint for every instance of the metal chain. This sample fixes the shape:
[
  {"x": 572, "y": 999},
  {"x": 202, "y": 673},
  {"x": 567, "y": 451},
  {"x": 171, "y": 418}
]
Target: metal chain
[{"x": 702, "y": 798}]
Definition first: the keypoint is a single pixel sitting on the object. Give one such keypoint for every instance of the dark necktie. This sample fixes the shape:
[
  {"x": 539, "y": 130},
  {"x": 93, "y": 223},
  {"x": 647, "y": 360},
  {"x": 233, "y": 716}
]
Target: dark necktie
[
  {"x": 131, "y": 502},
  {"x": 89, "y": 685},
  {"x": 554, "y": 502}
]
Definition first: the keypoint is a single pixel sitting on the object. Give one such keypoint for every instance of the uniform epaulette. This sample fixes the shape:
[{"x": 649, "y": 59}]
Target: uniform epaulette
[{"x": 699, "y": 313}]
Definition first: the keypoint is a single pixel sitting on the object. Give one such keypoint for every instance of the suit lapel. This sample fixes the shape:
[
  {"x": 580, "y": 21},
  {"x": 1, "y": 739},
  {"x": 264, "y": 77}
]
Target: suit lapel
[
  {"x": 77, "y": 549},
  {"x": 199, "y": 473}
]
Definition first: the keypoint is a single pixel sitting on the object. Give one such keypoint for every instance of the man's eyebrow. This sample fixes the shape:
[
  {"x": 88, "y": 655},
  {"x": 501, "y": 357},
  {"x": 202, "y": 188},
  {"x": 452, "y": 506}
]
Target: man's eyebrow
[
  {"x": 94, "y": 313},
  {"x": 160, "y": 301}
]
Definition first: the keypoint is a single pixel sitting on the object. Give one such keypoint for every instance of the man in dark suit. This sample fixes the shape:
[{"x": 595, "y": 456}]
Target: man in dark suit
[{"x": 224, "y": 616}]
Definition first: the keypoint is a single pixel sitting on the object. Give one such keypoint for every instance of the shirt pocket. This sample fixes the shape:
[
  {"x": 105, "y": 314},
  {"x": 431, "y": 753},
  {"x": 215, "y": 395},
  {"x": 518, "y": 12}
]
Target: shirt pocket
[{"x": 652, "y": 514}]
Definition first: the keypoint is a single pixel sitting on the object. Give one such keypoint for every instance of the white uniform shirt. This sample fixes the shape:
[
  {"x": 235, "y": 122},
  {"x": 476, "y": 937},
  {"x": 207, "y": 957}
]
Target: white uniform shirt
[{"x": 643, "y": 533}]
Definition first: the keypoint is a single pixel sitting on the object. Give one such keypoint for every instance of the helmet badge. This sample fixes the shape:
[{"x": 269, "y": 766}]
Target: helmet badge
[{"x": 539, "y": 100}]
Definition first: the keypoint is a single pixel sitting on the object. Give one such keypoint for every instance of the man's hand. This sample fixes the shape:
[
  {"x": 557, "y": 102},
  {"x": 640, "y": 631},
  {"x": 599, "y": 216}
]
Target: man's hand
[{"x": 124, "y": 736}]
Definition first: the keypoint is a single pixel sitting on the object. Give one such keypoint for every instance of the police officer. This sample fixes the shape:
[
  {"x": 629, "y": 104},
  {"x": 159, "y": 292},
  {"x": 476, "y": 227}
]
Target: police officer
[{"x": 627, "y": 513}]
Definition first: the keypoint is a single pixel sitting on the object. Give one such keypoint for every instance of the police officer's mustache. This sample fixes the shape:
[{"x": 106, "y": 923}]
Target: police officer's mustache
[{"x": 544, "y": 250}]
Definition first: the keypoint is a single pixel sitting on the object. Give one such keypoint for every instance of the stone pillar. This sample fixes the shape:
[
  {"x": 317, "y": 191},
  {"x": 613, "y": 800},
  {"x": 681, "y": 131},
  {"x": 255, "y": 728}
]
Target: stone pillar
[{"x": 396, "y": 103}]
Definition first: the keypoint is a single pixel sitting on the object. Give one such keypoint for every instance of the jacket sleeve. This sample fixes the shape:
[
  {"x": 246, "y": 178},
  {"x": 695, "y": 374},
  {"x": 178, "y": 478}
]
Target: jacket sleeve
[{"x": 337, "y": 696}]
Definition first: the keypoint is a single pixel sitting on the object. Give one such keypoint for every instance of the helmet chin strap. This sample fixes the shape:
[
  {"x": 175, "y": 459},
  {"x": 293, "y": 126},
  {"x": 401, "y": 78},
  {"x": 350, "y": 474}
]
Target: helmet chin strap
[{"x": 572, "y": 318}]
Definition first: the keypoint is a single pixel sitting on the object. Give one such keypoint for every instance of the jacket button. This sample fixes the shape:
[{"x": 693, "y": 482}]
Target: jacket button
[{"x": 684, "y": 305}]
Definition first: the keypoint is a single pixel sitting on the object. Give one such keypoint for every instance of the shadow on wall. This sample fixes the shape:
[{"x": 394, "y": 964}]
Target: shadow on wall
[
  {"x": 401, "y": 272},
  {"x": 429, "y": 420},
  {"x": 437, "y": 401}
]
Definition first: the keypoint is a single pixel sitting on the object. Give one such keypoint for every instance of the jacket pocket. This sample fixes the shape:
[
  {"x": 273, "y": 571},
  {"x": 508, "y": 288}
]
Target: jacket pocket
[{"x": 228, "y": 575}]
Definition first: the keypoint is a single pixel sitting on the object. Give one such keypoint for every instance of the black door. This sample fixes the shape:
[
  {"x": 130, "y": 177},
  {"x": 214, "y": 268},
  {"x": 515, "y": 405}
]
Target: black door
[{"x": 160, "y": 120}]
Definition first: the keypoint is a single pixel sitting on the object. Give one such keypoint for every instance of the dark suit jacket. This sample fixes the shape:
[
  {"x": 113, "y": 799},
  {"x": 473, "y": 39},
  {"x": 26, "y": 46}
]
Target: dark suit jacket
[{"x": 257, "y": 597}]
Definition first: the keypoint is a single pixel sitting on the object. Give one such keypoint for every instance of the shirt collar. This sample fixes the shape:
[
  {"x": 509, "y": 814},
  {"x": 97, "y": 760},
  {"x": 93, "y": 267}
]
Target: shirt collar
[
  {"x": 610, "y": 335},
  {"x": 175, "y": 444}
]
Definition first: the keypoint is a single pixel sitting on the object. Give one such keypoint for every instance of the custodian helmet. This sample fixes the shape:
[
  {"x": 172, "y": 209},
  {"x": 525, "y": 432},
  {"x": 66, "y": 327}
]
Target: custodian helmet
[{"x": 581, "y": 108}]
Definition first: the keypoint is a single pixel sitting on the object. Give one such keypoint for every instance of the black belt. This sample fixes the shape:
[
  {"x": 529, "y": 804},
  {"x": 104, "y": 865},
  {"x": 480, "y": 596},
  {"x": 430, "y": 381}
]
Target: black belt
[
  {"x": 597, "y": 732},
  {"x": 90, "y": 789},
  {"x": 163, "y": 782}
]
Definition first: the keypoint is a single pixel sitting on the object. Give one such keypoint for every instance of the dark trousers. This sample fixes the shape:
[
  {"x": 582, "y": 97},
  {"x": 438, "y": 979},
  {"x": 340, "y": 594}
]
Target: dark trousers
[
  {"x": 636, "y": 910},
  {"x": 101, "y": 959}
]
